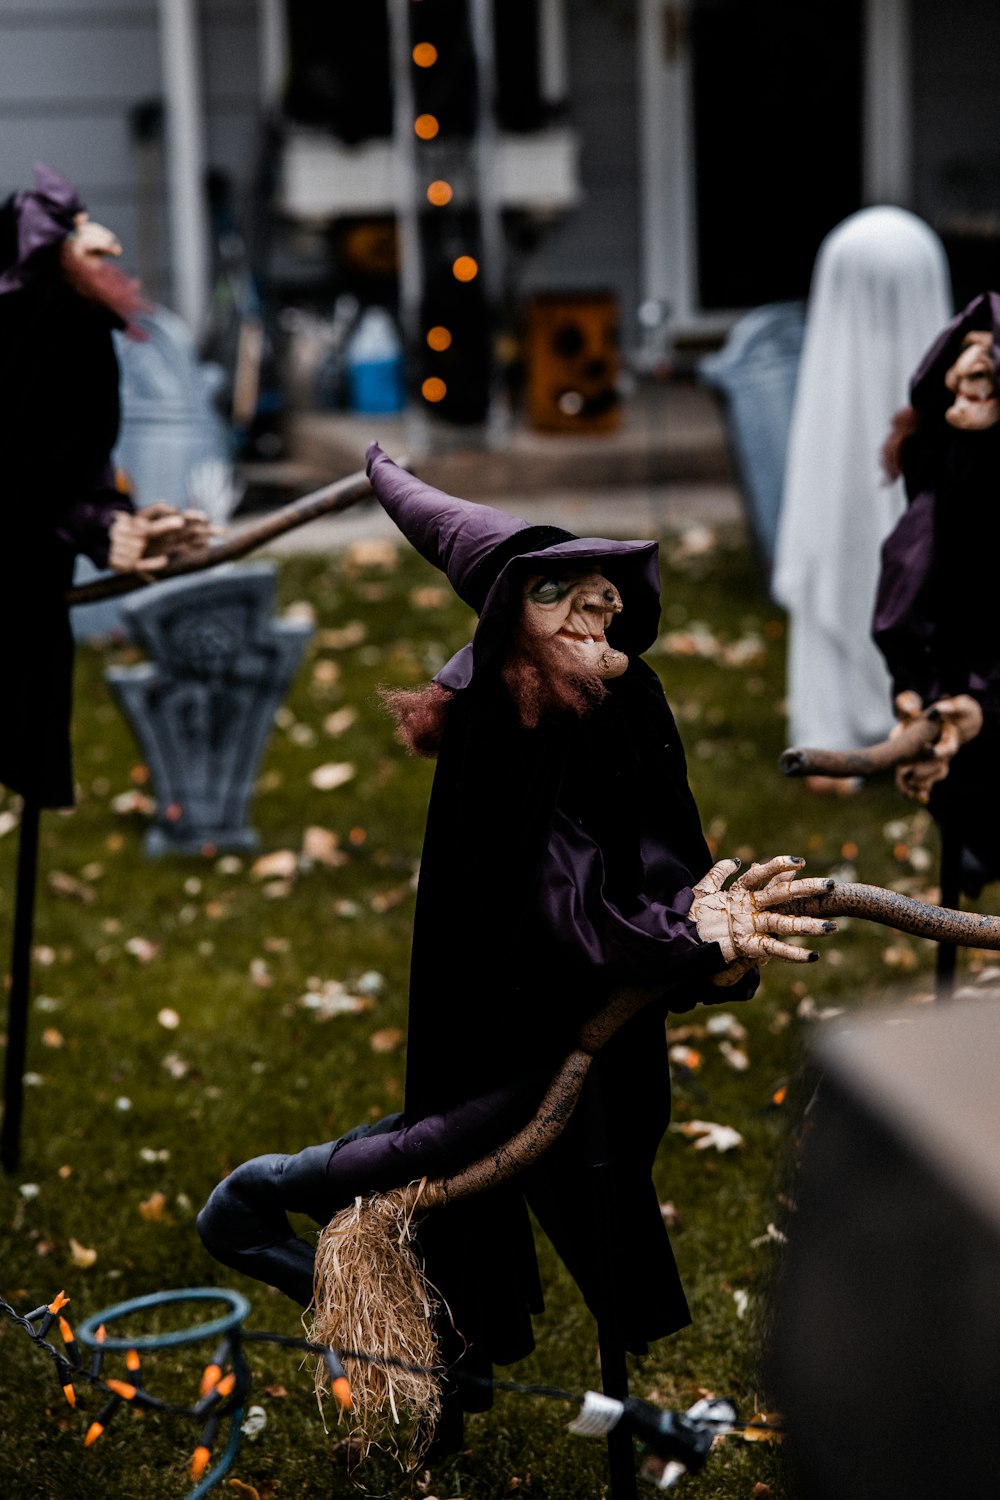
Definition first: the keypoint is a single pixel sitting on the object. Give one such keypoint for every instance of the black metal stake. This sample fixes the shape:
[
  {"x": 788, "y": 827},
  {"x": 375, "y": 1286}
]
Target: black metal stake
[
  {"x": 951, "y": 895},
  {"x": 614, "y": 1370},
  {"x": 20, "y": 985}
]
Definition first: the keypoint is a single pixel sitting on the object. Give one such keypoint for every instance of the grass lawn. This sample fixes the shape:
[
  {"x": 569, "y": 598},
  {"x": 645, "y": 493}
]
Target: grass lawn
[{"x": 169, "y": 1041}]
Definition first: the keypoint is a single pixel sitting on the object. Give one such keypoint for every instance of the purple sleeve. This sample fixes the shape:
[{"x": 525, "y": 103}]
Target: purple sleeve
[
  {"x": 902, "y": 626},
  {"x": 654, "y": 943},
  {"x": 435, "y": 1146},
  {"x": 85, "y": 525}
]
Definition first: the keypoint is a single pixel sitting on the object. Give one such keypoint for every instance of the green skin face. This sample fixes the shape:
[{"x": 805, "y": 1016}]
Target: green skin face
[{"x": 572, "y": 615}]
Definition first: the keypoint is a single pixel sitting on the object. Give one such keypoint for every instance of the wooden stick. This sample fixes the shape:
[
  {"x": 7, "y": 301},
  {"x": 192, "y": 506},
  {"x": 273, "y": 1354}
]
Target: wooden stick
[
  {"x": 329, "y": 500},
  {"x": 914, "y": 743},
  {"x": 942, "y": 924}
]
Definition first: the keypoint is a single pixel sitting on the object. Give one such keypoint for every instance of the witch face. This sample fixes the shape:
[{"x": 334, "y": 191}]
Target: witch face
[
  {"x": 570, "y": 615},
  {"x": 972, "y": 379}
]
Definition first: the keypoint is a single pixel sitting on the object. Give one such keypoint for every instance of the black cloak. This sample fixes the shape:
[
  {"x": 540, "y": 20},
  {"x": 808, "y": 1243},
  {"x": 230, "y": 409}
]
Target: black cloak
[{"x": 59, "y": 410}]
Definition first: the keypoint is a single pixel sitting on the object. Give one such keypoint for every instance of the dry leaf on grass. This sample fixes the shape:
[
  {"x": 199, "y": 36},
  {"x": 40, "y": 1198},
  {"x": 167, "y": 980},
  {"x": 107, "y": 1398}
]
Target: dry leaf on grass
[
  {"x": 280, "y": 864},
  {"x": 327, "y": 777},
  {"x": 80, "y": 1255},
  {"x": 152, "y": 1208},
  {"x": 706, "y": 1133},
  {"x": 62, "y": 884},
  {"x": 142, "y": 949},
  {"x": 340, "y": 721},
  {"x": 387, "y": 1040}
]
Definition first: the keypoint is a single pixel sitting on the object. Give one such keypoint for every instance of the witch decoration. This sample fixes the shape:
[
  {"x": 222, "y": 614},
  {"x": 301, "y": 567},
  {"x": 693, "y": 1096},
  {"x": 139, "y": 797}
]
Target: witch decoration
[
  {"x": 564, "y": 885},
  {"x": 61, "y": 297},
  {"x": 935, "y": 615}
]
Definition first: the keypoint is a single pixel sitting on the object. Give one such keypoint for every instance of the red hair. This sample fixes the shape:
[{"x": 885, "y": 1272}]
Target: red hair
[{"x": 904, "y": 424}]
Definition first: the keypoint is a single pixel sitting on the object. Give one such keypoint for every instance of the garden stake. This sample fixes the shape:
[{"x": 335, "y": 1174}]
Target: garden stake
[{"x": 20, "y": 987}]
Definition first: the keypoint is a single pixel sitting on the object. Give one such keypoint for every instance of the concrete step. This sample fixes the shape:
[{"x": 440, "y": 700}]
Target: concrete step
[{"x": 673, "y": 433}]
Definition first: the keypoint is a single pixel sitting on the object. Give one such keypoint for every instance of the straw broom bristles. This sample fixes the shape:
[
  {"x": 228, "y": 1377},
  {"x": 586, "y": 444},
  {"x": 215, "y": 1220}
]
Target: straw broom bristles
[{"x": 371, "y": 1293}]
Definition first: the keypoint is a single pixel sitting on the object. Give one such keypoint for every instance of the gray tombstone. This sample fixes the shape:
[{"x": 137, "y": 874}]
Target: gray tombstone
[
  {"x": 202, "y": 708},
  {"x": 755, "y": 374}
]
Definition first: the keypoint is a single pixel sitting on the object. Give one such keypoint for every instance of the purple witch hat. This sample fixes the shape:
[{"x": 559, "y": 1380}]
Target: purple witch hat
[
  {"x": 38, "y": 219},
  {"x": 485, "y": 554}
]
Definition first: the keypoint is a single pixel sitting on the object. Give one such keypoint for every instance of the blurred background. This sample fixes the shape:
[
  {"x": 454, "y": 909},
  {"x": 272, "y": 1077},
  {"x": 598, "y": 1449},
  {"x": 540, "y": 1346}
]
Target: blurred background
[{"x": 482, "y": 220}]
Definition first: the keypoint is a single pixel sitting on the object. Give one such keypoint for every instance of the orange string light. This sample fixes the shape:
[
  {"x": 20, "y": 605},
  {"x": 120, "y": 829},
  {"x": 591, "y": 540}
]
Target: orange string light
[
  {"x": 465, "y": 268},
  {"x": 439, "y": 193},
  {"x": 438, "y": 338},
  {"x": 425, "y": 54},
  {"x": 433, "y": 389},
  {"x": 426, "y": 127}
]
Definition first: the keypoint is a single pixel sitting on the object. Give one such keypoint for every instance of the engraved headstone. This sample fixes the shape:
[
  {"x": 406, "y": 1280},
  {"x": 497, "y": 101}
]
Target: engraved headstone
[{"x": 202, "y": 707}]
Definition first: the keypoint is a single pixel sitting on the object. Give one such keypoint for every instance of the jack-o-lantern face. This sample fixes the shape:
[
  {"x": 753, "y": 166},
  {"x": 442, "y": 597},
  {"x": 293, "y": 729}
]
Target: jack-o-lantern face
[
  {"x": 571, "y": 615},
  {"x": 573, "y": 364},
  {"x": 972, "y": 379}
]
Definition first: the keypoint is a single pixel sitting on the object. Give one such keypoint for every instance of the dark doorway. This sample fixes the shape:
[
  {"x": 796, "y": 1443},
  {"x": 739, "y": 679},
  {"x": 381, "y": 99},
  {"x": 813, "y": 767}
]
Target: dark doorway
[{"x": 777, "y": 111}]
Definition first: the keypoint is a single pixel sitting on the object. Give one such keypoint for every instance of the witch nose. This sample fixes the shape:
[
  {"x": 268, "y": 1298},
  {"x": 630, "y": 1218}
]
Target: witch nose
[{"x": 599, "y": 594}]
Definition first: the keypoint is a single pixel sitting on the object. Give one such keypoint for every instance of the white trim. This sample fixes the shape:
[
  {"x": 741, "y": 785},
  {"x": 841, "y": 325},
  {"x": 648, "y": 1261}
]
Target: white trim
[
  {"x": 272, "y": 33},
  {"x": 180, "y": 61},
  {"x": 553, "y": 58},
  {"x": 667, "y": 266},
  {"x": 888, "y": 104}
]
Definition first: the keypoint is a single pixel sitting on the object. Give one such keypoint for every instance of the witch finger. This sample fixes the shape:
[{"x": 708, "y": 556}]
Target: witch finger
[
  {"x": 759, "y": 876},
  {"x": 775, "y": 948},
  {"x": 774, "y": 921},
  {"x": 780, "y": 891},
  {"x": 715, "y": 878}
]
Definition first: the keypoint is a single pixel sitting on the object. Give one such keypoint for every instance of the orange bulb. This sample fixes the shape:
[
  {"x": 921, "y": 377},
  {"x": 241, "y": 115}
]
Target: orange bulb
[
  {"x": 465, "y": 268},
  {"x": 439, "y": 193},
  {"x": 425, "y": 54},
  {"x": 439, "y": 339},
  {"x": 426, "y": 127},
  {"x": 433, "y": 389}
]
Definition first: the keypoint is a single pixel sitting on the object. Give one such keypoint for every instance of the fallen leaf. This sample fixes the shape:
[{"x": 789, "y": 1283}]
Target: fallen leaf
[
  {"x": 281, "y": 863},
  {"x": 301, "y": 610},
  {"x": 8, "y": 822},
  {"x": 383, "y": 901},
  {"x": 277, "y": 1391},
  {"x": 80, "y": 1255},
  {"x": 771, "y": 1236},
  {"x": 371, "y": 552},
  {"x": 742, "y": 1300},
  {"x": 168, "y": 1019},
  {"x": 152, "y": 1208},
  {"x": 249, "y": 1491},
  {"x": 332, "y": 999},
  {"x": 333, "y": 774},
  {"x": 723, "y": 1024},
  {"x": 685, "y": 1057},
  {"x": 735, "y": 1056},
  {"x": 705, "y": 1133},
  {"x": 62, "y": 884},
  {"x": 339, "y": 721},
  {"x": 260, "y": 974},
  {"x": 142, "y": 949},
  {"x": 52, "y": 1037},
  {"x": 387, "y": 1040},
  {"x": 354, "y": 633},
  {"x": 671, "y": 1215},
  {"x": 429, "y": 596},
  {"x": 321, "y": 845},
  {"x": 325, "y": 672}
]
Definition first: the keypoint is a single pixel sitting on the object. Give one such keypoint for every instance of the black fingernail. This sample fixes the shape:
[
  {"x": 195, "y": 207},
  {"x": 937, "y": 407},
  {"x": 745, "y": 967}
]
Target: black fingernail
[
  {"x": 737, "y": 861},
  {"x": 828, "y": 927},
  {"x": 797, "y": 859},
  {"x": 830, "y": 884},
  {"x": 813, "y": 958}
]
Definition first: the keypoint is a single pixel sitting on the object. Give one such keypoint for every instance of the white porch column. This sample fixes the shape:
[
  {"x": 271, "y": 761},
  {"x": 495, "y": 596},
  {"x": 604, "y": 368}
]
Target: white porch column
[
  {"x": 188, "y": 226},
  {"x": 273, "y": 49},
  {"x": 667, "y": 268},
  {"x": 888, "y": 104}
]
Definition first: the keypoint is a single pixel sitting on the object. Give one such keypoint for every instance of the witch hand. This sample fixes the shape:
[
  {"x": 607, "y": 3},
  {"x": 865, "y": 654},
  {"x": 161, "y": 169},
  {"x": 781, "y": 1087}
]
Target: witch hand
[
  {"x": 961, "y": 720},
  {"x": 145, "y": 541},
  {"x": 741, "y": 919}
]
